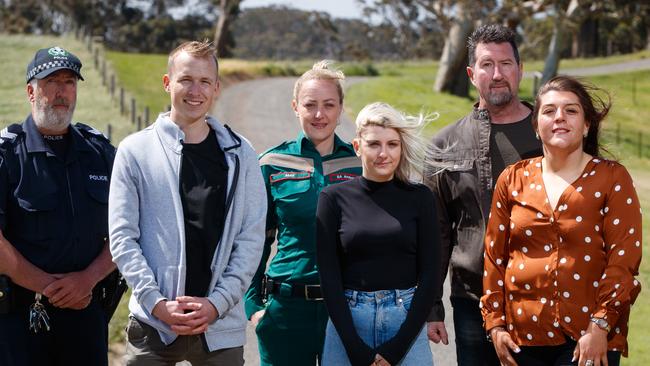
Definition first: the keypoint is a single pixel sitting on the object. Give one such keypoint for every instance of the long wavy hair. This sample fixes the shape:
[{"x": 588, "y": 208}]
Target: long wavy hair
[
  {"x": 594, "y": 106},
  {"x": 414, "y": 147}
]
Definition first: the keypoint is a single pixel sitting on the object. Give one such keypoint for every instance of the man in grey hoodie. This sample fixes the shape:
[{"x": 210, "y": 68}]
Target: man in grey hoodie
[{"x": 187, "y": 210}]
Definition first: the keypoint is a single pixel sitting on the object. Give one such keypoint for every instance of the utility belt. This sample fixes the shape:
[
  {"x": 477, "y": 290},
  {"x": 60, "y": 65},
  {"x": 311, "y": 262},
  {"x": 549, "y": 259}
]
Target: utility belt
[
  {"x": 6, "y": 295},
  {"x": 286, "y": 289},
  {"x": 18, "y": 299},
  {"x": 107, "y": 292}
]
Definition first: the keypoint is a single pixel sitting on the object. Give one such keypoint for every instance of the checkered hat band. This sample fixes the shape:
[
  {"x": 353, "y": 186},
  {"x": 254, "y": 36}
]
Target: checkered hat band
[{"x": 52, "y": 64}]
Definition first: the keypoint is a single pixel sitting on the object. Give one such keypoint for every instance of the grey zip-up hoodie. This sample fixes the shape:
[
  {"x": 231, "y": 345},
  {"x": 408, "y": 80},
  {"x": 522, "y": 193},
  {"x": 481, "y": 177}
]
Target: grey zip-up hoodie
[{"x": 147, "y": 232}]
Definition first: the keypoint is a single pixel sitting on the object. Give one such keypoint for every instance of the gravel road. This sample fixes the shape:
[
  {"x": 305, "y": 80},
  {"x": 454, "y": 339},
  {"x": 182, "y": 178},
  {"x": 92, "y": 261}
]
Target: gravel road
[
  {"x": 261, "y": 111},
  {"x": 627, "y": 66}
]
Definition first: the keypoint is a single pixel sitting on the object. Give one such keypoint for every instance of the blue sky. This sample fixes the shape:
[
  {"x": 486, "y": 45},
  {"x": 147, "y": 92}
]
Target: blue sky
[{"x": 336, "y": 8}]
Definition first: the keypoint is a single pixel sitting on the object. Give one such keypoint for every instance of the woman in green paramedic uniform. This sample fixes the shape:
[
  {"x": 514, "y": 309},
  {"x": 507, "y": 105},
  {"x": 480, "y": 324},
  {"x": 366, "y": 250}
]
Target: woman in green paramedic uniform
[{"x": 284, "y": 301}]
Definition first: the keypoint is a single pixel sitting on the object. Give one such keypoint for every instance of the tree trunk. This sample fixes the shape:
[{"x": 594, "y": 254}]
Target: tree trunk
[
  {"x": 452, "y": 75},
  {"x": 552, "y": 61},
  {"x": 160, "y": 8},
  {"x": 227, "y": 11},
  {"x": 588, "y": 42}
]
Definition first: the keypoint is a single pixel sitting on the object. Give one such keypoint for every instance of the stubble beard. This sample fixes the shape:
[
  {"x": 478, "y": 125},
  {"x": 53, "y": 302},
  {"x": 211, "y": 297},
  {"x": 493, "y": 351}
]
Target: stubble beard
[
  {"x": 48, "y": 118},
  {"x": 500, "y": 99}
]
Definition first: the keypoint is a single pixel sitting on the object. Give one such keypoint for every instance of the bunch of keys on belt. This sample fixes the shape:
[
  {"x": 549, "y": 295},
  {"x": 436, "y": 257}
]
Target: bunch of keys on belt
[{"x": 38, "y": 318}]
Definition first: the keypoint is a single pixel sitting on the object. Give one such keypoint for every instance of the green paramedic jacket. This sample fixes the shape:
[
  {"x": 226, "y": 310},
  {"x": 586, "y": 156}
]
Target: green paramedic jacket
[{"x": 295, "y": 174}]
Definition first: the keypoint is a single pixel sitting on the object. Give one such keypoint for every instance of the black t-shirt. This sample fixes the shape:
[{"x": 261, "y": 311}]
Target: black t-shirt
[
  {"x": 377, "y": 236},
  {"x": 512, "y": 142},
  {"x": 203, "y": 185}
]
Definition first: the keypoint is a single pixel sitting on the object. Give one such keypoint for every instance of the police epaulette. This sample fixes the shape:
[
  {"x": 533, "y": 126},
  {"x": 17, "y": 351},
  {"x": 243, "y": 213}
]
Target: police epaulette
[
  {"x": 90, "y": 131},
  {"x": 9, "y": 133}
]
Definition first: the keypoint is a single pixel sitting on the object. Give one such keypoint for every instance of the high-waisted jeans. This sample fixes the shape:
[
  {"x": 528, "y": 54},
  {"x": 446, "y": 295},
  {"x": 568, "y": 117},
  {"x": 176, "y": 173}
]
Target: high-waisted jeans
[{"x": 377, "y": 317}]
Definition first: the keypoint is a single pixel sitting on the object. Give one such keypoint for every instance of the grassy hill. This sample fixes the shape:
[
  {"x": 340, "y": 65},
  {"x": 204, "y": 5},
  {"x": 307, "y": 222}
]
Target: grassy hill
[{"x": 94, "y": 105}]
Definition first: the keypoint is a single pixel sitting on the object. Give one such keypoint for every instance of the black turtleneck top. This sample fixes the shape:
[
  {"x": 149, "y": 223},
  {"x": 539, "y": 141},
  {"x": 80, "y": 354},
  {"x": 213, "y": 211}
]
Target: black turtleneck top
[{"x": 377, "y": 236}]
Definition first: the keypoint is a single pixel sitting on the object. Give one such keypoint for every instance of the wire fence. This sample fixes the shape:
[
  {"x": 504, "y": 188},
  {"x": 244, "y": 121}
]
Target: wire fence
[
  {"x": 633, "y": 139},
  {"x": 140, "y": 115}
]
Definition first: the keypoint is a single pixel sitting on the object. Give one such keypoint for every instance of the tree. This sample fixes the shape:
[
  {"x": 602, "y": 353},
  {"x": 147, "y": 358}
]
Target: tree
[
  {"x": 223, "y": 39},
  {"x": 456, "y": 20},
  {"x": 452, "y": 75},
  {"x": 562, "y": 13}
]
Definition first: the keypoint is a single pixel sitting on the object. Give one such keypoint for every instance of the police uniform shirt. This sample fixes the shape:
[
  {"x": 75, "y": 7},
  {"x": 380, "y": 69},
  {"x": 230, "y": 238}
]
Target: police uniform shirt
[{"x": 55, "y": 210}]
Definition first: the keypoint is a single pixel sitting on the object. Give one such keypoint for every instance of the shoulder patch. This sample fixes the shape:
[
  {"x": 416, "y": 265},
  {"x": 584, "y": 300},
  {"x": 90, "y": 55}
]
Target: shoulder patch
[
  {"x": 9, "y": 133},
  {"x": 288, "y": 162},
  {"x": 335, "y": 165},
  {"x": 90, "y": 131}
]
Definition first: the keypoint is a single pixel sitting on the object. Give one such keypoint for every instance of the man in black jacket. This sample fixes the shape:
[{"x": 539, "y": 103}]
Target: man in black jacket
[{"x": 465, "y": 161}]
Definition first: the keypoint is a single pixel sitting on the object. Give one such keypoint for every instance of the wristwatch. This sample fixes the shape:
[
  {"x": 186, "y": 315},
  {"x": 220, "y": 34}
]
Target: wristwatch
[{"x": 602, "y": 324}]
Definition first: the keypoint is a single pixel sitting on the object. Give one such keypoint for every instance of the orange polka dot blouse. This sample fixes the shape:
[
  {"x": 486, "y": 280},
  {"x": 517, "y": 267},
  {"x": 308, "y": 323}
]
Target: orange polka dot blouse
[{"x": 547, "y": 272}]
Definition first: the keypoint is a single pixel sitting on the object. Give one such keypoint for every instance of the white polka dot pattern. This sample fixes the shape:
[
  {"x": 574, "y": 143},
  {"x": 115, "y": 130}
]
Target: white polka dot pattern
[{"x": 544, "y": 258}]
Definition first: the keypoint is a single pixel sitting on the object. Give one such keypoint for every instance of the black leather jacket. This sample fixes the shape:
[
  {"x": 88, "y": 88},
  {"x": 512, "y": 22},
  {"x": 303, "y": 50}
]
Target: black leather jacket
[{"x": 459, "y": 172}]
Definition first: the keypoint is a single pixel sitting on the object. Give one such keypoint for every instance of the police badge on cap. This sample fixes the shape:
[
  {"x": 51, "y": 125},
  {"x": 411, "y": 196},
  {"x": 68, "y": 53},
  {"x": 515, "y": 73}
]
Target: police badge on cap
[{"x": 49, "y": 60}]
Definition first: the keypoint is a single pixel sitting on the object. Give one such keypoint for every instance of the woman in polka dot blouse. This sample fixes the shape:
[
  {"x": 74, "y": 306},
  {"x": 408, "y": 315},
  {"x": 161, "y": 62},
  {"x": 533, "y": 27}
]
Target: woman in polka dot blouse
[{"x": 563, "y": 242}]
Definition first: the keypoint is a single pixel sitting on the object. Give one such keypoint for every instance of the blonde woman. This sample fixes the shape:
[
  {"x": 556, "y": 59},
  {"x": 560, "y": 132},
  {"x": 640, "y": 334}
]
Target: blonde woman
[
  {"x": 286, "y": 303},
  {"x": 378, "y": 248}
]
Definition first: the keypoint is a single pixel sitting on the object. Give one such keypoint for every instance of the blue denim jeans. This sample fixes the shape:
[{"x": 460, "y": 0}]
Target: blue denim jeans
[
  {"x": 377, "y": 317},
  {"x": 472, "y": 346}
]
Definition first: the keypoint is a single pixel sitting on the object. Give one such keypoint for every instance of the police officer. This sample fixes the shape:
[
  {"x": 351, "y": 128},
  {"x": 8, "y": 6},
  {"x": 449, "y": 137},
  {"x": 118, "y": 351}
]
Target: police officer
[
  {"x": 54, "y": 179},
  {"x": 286, "y": 303}
]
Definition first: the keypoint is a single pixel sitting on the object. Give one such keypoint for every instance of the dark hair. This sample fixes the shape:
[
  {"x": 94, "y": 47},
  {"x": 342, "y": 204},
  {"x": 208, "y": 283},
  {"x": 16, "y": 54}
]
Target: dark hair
[
  {"x": 594, "y": 107},
  {"x": 491, "y": 33}
]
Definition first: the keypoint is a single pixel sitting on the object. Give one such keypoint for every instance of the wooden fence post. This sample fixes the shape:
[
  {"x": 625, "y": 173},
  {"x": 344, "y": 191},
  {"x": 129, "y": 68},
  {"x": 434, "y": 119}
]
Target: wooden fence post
[
  {"x": 640, "y": 144},
  {"x": 109, "y": 131},
  {"x": 112, "y": 87},
  {"x": 146, "y": 115},
  {"x": 537, "y": 77},
  {"x": 103, "y": 71},
  {"x": 132, "y": 110},
  {"x": 122, "y": 111}
]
